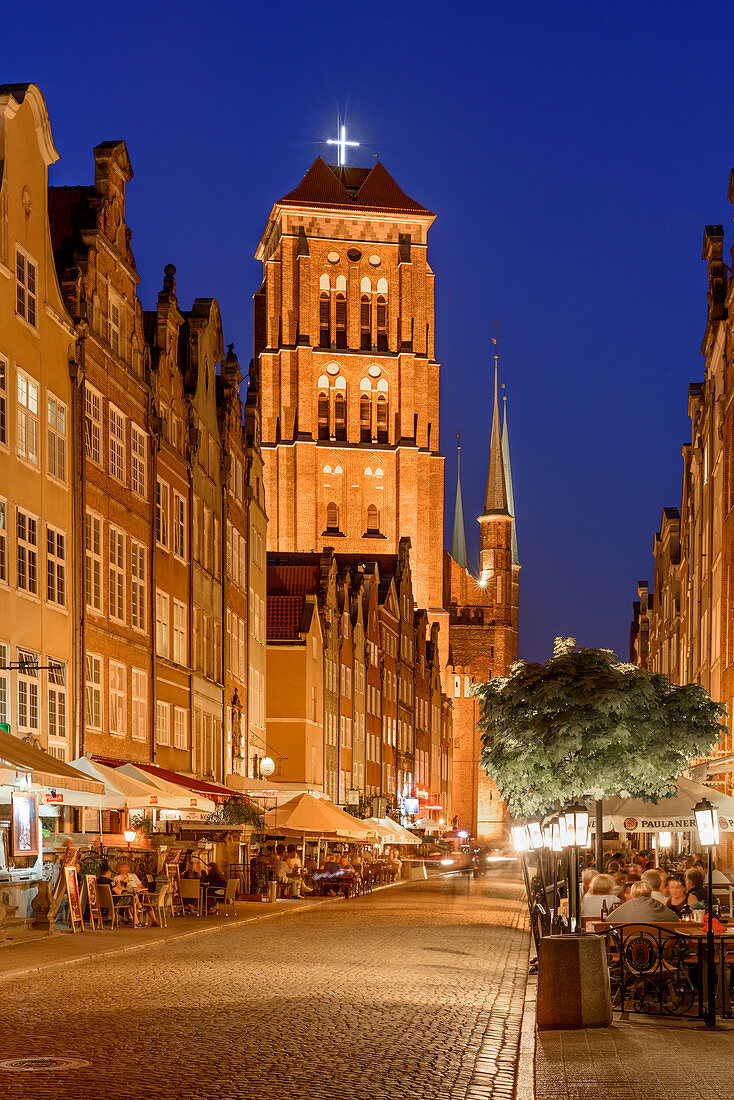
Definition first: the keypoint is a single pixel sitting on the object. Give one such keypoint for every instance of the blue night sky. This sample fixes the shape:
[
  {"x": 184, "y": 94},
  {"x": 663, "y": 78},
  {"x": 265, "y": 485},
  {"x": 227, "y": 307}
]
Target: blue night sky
[{"x": 573, "y": 154}]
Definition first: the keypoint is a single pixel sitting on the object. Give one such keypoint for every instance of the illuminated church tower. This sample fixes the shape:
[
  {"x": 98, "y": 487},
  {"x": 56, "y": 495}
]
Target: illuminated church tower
[
  {"x": 344, "y": 332},
  {"x": 483, "y": 623}
]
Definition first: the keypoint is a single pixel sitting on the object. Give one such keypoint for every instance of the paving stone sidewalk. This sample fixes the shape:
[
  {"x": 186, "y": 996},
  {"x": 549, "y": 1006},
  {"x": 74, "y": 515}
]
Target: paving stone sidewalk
[
  {"x": 414, "y": 992},
  {"x": 637, "y": 1059}
]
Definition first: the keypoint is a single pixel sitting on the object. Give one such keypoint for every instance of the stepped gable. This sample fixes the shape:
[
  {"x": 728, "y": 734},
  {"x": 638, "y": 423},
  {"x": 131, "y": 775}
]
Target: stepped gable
[{"x": 347, "y": 186}]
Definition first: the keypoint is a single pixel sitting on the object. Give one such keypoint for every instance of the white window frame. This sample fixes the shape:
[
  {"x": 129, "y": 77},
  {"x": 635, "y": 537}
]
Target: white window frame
[
  {"x": 27, "y": 393},
  {"x": 94, "y": 702},
  {"x": 162, "y": 722},
  {"x": 138, "y": 460},
  {"x": 180, "y": 728},
  {"x": 162, "y": 513},
  {"x": 162, "y": 623},
  {"x": 4, "y": 513},
  {"x": 27, "y": 694},
  {"x": 179, "y": 526},
  {"x": 93, "y": 424},
  {"x": 26, "y": 552},
  {"x": 179, "y": 632},
  {"x": 93, "y": 540},
  {"x": 116, "y": 323},
  {"x": 116, "y": 576},
  {"x": 117, "y": 694},
  {"x": 139, "y": 716},
  {"x": 138, "y": 585},
  {"x": 57, "y": 706},
  {"x": 117, "y": 430},
  {"x": 4, "y": 375},
  {"x": 26, "y": 286},
  {"x": 56, "y": 422},
  {"x": 56, "y": 545}
]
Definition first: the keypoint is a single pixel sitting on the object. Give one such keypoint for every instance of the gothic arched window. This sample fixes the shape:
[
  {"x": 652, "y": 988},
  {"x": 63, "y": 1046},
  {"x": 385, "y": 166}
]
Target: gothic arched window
[
  {"x": 332, "y": 517},
  {"x": 373, "y": 520},
  {"x": 340, "y": 416},
  {"x": 324, "y": 415},
  {"x": 365, "y": 418},
  {"x": 365, "y": 322},
  {"x": 341, "y": 321},
  {"x": 382, "y": 434},
  {"x": 381, "y": 323},
  {"x": 325, "y": 320}
]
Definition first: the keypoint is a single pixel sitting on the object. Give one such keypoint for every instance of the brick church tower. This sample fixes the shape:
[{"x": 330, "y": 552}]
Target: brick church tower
[
  {"x": 483, "y": 624},
  {"x": 344, "y": 333}
]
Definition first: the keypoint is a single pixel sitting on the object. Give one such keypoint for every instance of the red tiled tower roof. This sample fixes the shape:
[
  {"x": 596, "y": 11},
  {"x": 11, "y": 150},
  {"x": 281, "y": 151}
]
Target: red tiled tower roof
[
  {"x": 285, "y": 617},
  {"x": 371, "y": 188}
]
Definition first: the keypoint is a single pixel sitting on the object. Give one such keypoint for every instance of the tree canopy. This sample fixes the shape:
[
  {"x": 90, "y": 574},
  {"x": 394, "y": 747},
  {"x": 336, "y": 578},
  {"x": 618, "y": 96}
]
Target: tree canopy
[{"x": 586, "y": 722}]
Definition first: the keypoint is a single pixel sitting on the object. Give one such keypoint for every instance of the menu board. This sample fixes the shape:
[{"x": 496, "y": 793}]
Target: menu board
[
  {"x": 174, "y": 877},
  {"x": 24, "y": 825},
  {"x": 72, "y": 894},
  {"x": 95, "y": 911}
]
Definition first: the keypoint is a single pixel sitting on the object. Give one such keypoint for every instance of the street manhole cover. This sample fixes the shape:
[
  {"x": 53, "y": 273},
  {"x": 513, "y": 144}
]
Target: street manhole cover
[{"x": 33, "y": 1065}]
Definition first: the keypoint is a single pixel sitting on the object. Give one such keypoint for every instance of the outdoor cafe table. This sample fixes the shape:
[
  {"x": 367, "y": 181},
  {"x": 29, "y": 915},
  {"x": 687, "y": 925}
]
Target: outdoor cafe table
[{"x": 695, "y": 932}]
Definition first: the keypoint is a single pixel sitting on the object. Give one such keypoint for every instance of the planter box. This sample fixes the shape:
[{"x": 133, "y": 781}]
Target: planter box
[{"x": 253, "y": 897}]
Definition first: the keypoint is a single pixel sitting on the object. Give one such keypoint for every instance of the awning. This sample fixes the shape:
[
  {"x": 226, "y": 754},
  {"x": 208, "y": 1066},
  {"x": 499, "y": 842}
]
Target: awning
[
  {"x": 316, "y": 817},
  {"x": 210, "y": 791},
  {"x": 124, "y": 792},
  {"x": 187, "y": 798},
  {"x": 676, "y": 813},
  {"x": 41, "y": 767},
  {"x": 391, "y": 832}
]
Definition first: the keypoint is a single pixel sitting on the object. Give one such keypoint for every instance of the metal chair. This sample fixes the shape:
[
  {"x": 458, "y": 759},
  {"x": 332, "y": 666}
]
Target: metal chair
[
  {"x": 113, "y": 903},
  {"x": 158, "y": 903}
]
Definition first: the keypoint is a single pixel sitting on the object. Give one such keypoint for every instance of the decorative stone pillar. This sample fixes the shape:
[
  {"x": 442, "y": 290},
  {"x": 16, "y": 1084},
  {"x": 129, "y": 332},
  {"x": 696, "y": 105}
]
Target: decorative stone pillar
[{"x": 41, "y": 905}]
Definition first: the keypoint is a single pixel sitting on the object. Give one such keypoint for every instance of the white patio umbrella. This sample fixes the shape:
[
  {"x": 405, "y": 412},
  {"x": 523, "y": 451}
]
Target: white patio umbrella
[
  {"x": 316, "y": 817},
  {"x": 391, "y": 832},
  {"x": 632, "y": 815},
  {"x": 125, "y": 791},
  {"x": 184, "y": 798}
]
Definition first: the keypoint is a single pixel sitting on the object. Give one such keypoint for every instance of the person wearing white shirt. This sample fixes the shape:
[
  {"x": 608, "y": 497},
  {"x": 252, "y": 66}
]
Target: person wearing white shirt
[
  {"x": 600, "y": 891},
  {"x": 654, "y": 880}
]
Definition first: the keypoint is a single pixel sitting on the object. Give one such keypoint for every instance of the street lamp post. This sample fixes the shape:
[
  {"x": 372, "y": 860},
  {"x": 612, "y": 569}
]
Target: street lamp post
[
  {"x": 576, "y": 821},
  {"x": 536, "y": 839},
  {"x": 707, "y": 823}
]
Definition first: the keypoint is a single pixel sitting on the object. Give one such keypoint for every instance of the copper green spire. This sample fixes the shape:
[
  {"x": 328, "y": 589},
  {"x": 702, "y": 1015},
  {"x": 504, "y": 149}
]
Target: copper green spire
[
  {"x": 508, "y": 477},
  {"x": 458, "y": 541}
]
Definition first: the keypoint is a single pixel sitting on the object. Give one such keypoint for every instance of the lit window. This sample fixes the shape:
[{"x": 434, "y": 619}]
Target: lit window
[
  {"x": 56, "y": 680},
  {"x": 27, "y": 441},
  {"x": 93, "y": 424},
  {"x": 93, "y": 675},
  {"x": 26, "y": 287},
  {"x": 139, "y": 453},
  {"x": 93, "y": 560},
  {"x": 163, "y": 723},
  {"x": 56, "y": 414},
  {"x": 180, "y": 728},
  {"x": 117, "y": 444},
  {"x": 117, "y": 574},
  {"x": 137, "y": 572},
  {"x": 162, "y": 623},
  {"x": 139, "y": 714},
  {"x": 161, "y": 513},
  {"x": 28, "y": 721},
  {"x": 179, "y": 526},
  {"x": 27, "y": 553},
  {"x": 117, "y": 698},
  {"x": 179, "y": 632}
]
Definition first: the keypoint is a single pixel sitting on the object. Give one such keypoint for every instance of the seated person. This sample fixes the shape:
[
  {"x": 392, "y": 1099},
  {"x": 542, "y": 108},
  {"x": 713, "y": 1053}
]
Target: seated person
[
  {"x": 677, "y": 901},
  {"x": 600, "y": 892},
  {"x": 654, "y": 880},
  {"x": 620, "y": 881},
  {"x": 695, "y": 889},
  {"x": 104, "y": 878},
  {"x": 188, "y": 870},
  {"x": 330, "y": 865},
  {"x": 292, "y": 856},
  {"x": 368, "y": 857},
  {"x": 641, "y": 908},
  {"x": 587, "y": 877}
]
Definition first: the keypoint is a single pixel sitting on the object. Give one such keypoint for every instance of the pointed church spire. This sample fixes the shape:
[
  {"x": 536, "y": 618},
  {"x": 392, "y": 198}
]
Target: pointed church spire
[
  {"x": 458, "y": 541},
  {"x": 495, "y": 500},
  {"x": 508, "y": 477}
]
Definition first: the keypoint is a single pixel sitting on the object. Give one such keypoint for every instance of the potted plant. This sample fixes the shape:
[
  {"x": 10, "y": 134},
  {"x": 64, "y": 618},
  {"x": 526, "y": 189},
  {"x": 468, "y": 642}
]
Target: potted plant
[{"x": 698, "y": 908}]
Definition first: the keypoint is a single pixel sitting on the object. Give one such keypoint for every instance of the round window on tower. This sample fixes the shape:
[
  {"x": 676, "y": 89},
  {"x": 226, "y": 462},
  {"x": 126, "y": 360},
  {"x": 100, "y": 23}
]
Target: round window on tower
[
  {"x": 354, "y": 254},
  {"x": 333, "y": 257},
  {"x": 375, "y": 260}
]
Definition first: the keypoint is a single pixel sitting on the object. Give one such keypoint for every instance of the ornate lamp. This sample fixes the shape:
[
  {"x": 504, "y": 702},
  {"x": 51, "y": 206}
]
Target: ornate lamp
[{"x": 707, "y": 823}]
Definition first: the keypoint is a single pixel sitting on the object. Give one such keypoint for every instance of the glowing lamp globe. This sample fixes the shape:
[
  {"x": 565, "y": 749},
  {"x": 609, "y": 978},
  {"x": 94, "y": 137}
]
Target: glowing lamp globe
[
  {"x": 267, "y": 767},
  {"x": 707, "y": 823},
  {"x": 129, "y": 835}
]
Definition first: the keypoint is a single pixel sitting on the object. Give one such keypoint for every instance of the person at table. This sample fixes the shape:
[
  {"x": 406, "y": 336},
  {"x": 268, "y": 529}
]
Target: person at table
[
  {"x": 641, "y": 908},
  {"x": 654, "y": 880},
  {"x": 213, "y": 881},
  {"x": 292, "y": 856},
  {"x": 357, "y": 864},
  {"x": 127, "y": 884},
  {"x": 330, "y": 865},
  {"x": 695, "y": 889},
  {"x": 601, "y": 892},
  {"x": 188, "y": 870},
  {"x": 678, "y": 900}
]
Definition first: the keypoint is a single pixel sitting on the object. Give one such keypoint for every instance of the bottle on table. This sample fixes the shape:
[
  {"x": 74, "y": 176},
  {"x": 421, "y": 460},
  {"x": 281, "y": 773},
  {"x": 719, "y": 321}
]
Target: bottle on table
[{"x": 604, "y": 910}]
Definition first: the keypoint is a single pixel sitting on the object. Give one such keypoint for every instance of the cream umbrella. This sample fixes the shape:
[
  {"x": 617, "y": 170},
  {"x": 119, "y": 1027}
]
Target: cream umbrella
[
  {"x": 127, "y": 791},
  {"x": 633, "y": 815},
  {"x": 317, "y": 817},
  {"x": 184, "y": 798}
]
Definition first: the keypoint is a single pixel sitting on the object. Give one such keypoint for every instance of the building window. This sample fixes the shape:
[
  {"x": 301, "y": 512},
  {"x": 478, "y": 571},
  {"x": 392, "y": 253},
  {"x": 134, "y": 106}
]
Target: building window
[
  {"x": 27, "y": 692},
  {"x": 332, "y": 517},
  {"x": 179, "y": 632},
  {"x": 207, "y": 548},
  {"x": 196, "y": 655},
  {"x": 161, "y": 513},
  {"x": 117, "y": 444},
  {"x": 117, "y": 574},
  {"x": 3, "y": 543},
  {"x": 55, "y": 566},
  {"x": 373, "y": 520},
  {"x": 3, "y": 400},
  {"x": 27, "y": 553},
  {"x": 93, "y": 560},
  {"x": 162, "y": 723},
  {"x": 27, "y": 441},
  {"x": 137, "y": 573},
  {"x": 381, "y": 323},
  {"x": 180, "y": 728},
  {"x": 340, "y": 416},
  {"x": 26, "y": 287},
  {"x": 365, "y": 418},
  {"x": 381, "y": 418},
  {"x": 56, "y": 413},
  {"x": 341, "y": 321},
  {"x": 365, "y": 319},
  {"x": 56, "y": 681},
  {"x": 196, "y": 528},
  {"x": 179, "y": 526},
  {"x": 323, "y": 415},
  {"x": 116, "y": 324},
  {"x": 139, "y": 452},
  {"x": 241, "y": 655},
  {"x": 139, "y": 704},
  {"x": 94, "y": 691},
  {"x": 217, "y": 671},
  {"x": 117, "y": 698},
  {"x": 325, "y": 320},
  {"x": 217, "y": 548},
  {"x": 162, "y": 623},
  {"x": 93, "y": 425}
]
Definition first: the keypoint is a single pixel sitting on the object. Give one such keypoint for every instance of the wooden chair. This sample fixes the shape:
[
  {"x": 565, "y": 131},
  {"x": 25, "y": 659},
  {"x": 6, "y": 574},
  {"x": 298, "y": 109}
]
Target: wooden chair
[
  {"x": 113, "y": 903},
  {"x": 158, "y": 903},
  {"x": 191, "y": 892}
]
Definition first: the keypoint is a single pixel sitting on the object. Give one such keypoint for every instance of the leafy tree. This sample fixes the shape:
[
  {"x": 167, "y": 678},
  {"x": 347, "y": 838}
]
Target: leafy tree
[
  {"x": 586, "y": 723},
  {"x": 237, "y": 811}
]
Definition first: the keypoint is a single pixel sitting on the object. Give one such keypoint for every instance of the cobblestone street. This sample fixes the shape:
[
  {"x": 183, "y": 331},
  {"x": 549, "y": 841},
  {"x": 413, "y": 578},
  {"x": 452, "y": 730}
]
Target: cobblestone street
[{"x": 413, "y": 992}]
